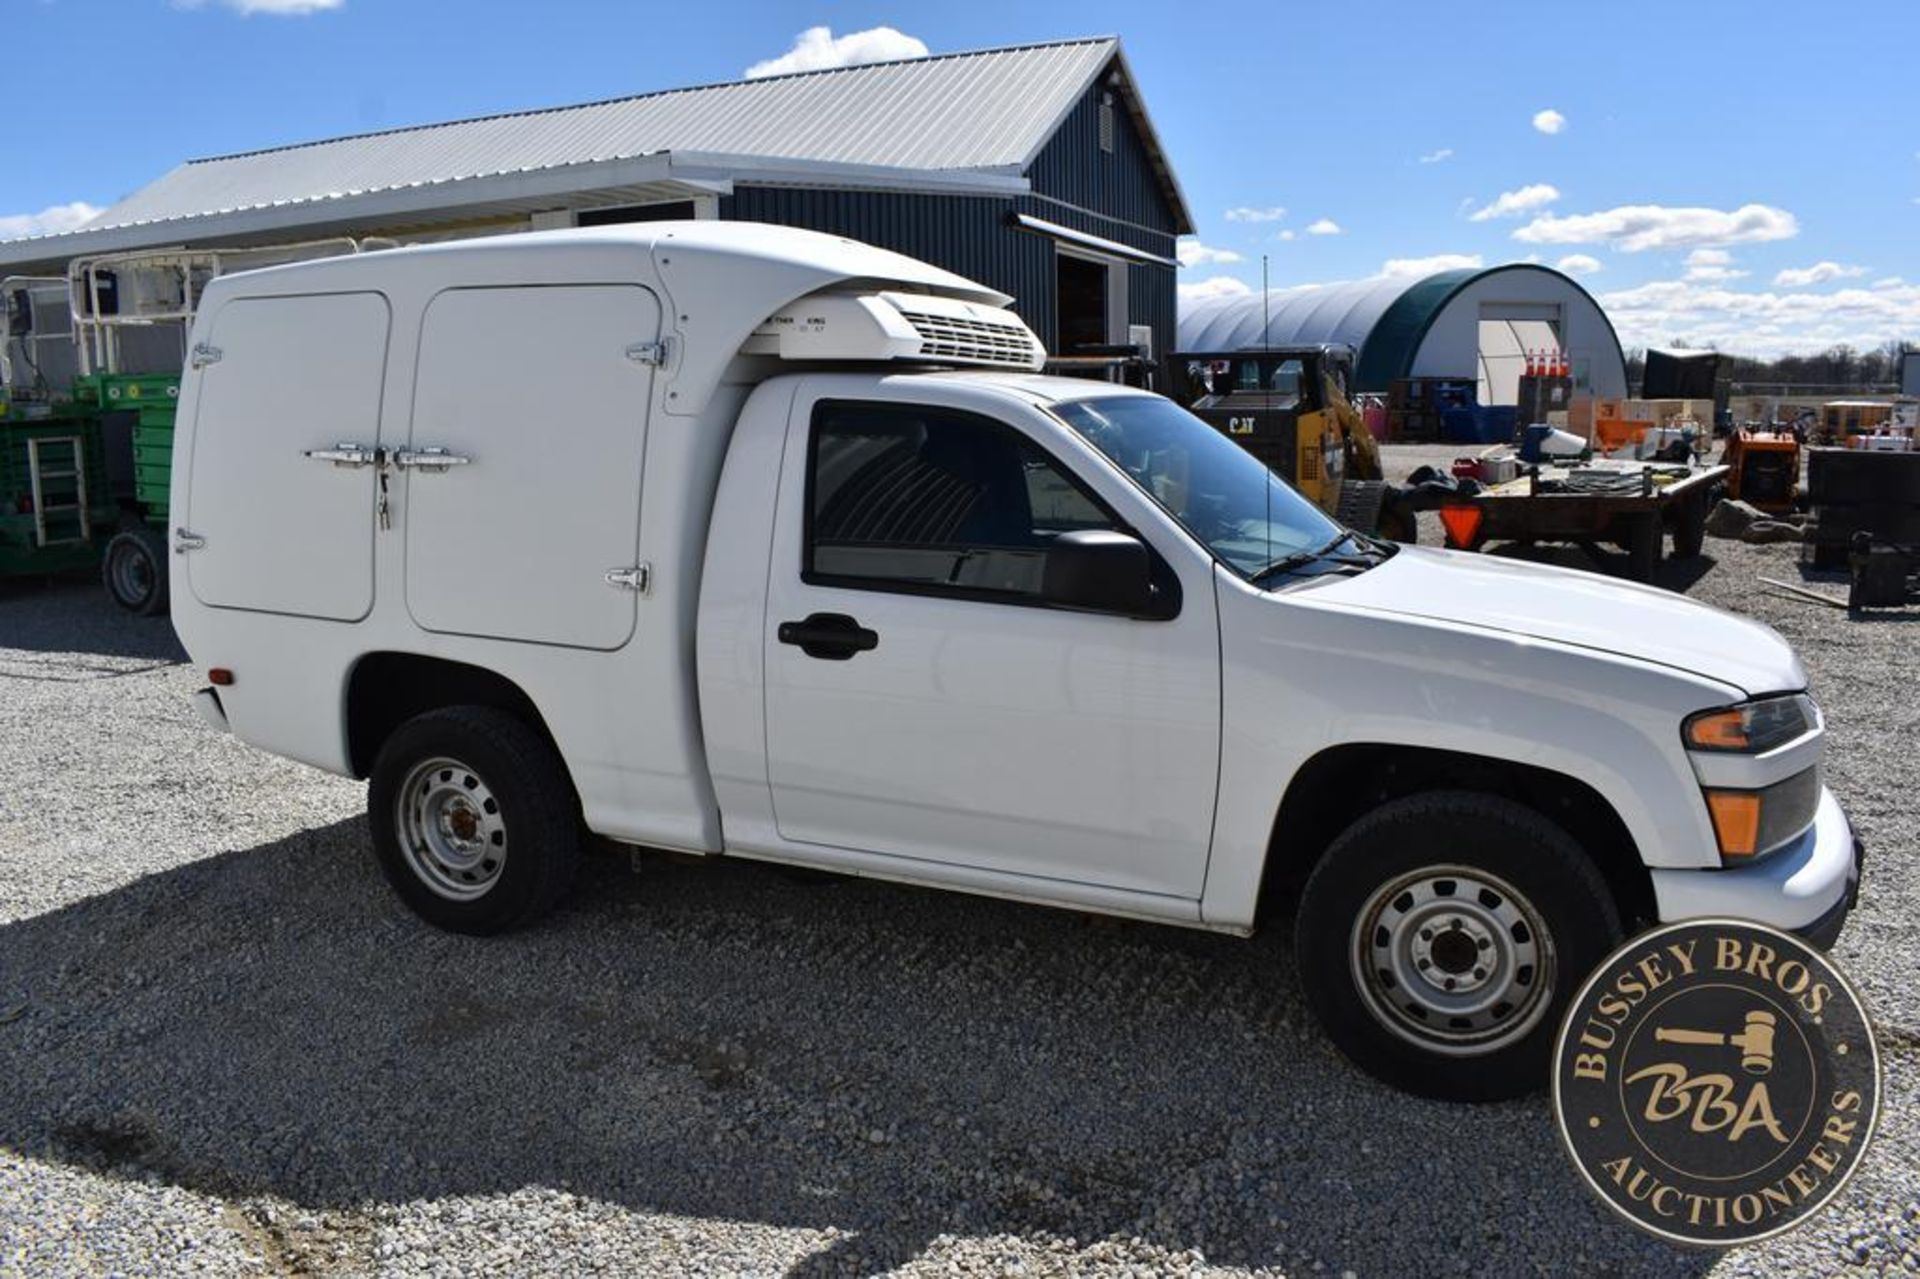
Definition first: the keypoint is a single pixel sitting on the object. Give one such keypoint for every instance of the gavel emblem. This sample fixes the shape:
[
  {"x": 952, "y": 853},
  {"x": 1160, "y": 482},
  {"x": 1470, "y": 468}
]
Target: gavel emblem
[{"x": 1755, "y": 1042}]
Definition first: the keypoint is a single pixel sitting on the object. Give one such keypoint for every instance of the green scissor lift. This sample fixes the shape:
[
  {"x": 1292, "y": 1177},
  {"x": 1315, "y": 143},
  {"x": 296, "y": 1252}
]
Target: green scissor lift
[{"x": 89, "y": 386}]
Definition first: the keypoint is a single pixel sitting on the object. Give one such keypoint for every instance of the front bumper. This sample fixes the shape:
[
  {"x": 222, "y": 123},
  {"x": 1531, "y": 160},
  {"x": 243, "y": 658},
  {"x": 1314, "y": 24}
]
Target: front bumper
[{"x": 1806, "y": 888}]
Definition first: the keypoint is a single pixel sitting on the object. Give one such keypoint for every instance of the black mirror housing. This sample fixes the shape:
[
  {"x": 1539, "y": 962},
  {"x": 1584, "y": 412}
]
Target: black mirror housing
[{"x": 1100, "y": 569}]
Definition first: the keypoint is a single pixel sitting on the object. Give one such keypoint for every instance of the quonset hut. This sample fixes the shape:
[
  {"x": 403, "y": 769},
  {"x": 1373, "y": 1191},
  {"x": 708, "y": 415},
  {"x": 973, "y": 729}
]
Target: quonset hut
[{"x": 1476, "y": 323}]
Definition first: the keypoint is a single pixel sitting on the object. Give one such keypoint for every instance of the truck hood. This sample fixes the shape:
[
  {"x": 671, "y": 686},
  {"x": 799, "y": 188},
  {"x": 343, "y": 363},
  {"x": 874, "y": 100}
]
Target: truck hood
[{"x": 1567, "y": 606}]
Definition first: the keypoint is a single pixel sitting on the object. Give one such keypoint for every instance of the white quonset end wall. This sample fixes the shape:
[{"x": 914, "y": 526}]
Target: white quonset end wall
[
  {"x": 1475, "y": 323},
  {"x": 1485, "y": 326}
]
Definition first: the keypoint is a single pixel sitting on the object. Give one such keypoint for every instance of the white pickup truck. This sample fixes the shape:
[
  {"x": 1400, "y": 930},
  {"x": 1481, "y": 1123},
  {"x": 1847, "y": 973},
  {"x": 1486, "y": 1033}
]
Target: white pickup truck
[{"x": 748, "y": 541}]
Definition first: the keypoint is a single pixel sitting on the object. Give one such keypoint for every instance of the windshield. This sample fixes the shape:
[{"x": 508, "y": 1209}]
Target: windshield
[{"x": 1245, "y": 514}]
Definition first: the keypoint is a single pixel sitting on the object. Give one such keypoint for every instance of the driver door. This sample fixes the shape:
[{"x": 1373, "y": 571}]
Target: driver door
[{"x": 980, "y": 727}]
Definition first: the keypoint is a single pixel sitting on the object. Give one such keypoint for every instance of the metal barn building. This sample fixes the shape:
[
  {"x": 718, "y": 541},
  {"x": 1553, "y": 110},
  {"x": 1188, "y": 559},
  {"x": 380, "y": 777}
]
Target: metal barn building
[
  {"x": 1476, "y": 323},
  {"x": 1034, "y": 170}
]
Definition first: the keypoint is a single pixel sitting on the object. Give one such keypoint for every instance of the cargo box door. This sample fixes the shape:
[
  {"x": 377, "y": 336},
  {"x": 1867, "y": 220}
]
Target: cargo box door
[
  {"x": 282, "y": 455},
  {"x": 537, "y": 399}
]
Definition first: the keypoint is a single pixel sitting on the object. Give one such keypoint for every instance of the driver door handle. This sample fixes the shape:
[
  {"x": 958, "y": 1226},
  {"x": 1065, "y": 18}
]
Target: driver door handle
[{"x": 832, "y": 637}]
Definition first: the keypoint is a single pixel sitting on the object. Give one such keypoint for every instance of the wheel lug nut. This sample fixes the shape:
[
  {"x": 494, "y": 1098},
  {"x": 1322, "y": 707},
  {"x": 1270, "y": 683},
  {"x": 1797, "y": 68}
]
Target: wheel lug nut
[
  {"x": 1450, "y": 983},
  {"x": 1426, "y": 934},
  {"x": 1485, "y": 943},
  {"x": 1425, "y": 964},
  {"x": 1479, "y": 974}
]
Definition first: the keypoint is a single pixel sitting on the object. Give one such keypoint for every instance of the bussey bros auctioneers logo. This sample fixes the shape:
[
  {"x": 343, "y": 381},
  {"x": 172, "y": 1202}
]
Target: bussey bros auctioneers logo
[{"x": 1716, "y": 1081}]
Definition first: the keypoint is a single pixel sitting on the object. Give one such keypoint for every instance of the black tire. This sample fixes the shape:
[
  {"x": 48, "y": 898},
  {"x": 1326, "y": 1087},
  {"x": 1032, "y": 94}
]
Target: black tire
[
  {"x": 1360, "y": 504},
  {"x": 1644, "y": 537},
  {"x": 1535, "y": 871},
  {"x": 523, "y": 797},
  {"x": 134, "y": 570},
  {"x": 1690, "y": 527},
  {"x": 1398, "y": 521}
]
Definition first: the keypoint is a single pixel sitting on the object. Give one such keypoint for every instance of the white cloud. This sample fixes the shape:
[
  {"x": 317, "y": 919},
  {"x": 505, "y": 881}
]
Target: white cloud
[
  {"x": 1194, "y": 253},
  {"x": 1818, "y": 273},
  {"x": 1632, "y": 228},
  {"x": 1284, "y": 235},
  {"x": 818, "y": 49},
  {"x": 1512, "y": 204},
  {"x": 1220, "y": 286},
  {"x": 1889, "y": 282},
  {"x": 1579, "y": 264},
  {"x": 1429, "y": 265},
  {"x": 49, "y": 221},
  {"x": 1242, "y": 213},
  {"x": 1549, "y": 121},
  {"x": 1435, "y": 157},
  {"x": 275, "y": 8},
  {"x": 1325, "y": 226},
  {"x": 1763, "y": 324},
  {"x": 1712, "y": 264}
]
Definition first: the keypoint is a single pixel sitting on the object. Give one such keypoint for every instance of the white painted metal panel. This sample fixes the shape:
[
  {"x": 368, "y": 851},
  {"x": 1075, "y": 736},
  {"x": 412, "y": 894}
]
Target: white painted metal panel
[
  {"x": 286, "y": 533},
  {"x": 1069, "y": 746},
  {"x": 536, "y": 388}
]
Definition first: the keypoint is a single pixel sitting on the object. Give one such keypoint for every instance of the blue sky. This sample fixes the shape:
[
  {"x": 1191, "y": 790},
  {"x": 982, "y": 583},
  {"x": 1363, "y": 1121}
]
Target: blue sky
[{"x": 1740, "y": 174}]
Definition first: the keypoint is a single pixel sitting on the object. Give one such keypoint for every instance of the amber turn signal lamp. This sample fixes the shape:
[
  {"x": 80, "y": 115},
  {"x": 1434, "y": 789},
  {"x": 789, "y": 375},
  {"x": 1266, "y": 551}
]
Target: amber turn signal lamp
[
  {"x": 1736, "y": 821},
  {"x": 1726, "y": 731},
  {"x": 220, "y": 675},
  {"x": 1462, "y": 524}
]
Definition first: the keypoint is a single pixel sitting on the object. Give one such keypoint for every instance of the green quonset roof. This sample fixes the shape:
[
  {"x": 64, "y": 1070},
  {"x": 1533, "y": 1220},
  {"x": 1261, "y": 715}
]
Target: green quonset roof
[
  {"x": 1389, "y": 349},
  {"x": 1385, "y": 319}
]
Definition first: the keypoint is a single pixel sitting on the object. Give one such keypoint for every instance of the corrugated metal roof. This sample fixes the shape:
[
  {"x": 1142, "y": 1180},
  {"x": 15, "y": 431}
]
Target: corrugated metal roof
[
  {"x": 1384, "y": 319},
  {"x": 1342, "y": 313},
  {"x": 972, "y": 111}
]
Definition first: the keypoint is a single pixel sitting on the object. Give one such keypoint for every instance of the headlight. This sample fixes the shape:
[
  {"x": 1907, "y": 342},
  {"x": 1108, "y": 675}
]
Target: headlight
[{"x": 1751, "y": 728}]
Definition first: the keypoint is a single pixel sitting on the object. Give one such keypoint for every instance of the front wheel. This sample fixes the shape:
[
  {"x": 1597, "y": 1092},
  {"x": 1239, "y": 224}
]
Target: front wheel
[
  {"x": 1441, "y": 936},
  {"x": 473, "y": 819},
  {"x": 134, "y": 570}
]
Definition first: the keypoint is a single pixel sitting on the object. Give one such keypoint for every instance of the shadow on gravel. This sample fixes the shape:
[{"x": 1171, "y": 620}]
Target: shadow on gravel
[
  {"x": 1673, "y": 575},
  {"x": 72, "y": 614},
  {"x": 722, "y": 1041}
]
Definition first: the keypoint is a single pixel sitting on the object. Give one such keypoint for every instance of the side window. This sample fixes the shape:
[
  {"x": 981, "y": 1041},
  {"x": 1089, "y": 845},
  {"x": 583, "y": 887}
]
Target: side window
[{"x": 937, "y": 500}]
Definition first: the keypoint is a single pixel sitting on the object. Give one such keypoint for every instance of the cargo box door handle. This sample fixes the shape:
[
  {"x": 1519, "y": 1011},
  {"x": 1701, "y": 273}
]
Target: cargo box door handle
[
  {"x": 429, "y": 459},
  {"x": 345, "y": 455}
]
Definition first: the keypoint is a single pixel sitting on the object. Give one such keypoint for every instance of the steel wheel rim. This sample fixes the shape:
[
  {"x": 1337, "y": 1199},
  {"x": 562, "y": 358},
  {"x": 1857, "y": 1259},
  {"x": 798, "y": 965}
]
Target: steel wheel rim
[
  {"x": 450, "y": 829},
  {"x": 132, "y": 574},
  {"x": 1453, "y": 959}
]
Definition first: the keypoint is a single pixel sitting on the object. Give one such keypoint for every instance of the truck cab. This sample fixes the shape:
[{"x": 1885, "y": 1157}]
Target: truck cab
[{"x": 738, "y": 540}]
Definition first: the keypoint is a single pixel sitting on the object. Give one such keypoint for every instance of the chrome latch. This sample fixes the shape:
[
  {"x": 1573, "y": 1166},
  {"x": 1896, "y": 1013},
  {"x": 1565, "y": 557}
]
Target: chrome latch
[
  {"x": 345, "y": 454},
  {"x": 638, "y": 579},
  {"x": 429, "y": 459},
  {"x": 203, "y": 355},
  {"x": 184, "y": 541},
  {"x": 650, "y": 353}
]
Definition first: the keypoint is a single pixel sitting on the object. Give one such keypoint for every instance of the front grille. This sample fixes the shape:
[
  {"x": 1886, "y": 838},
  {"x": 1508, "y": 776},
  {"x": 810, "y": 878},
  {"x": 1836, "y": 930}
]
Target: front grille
[
  {"x": 965, "y": 340},
  {"x": 1787, "y": 808}
]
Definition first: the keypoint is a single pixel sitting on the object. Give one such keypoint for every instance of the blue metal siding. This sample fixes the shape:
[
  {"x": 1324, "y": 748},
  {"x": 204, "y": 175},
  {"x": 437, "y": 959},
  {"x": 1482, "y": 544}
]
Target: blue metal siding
[
  {"x": 1112, "y": 194},
  {"x": 1120, "y": 183},
  {"x": 968, "y": 235}
]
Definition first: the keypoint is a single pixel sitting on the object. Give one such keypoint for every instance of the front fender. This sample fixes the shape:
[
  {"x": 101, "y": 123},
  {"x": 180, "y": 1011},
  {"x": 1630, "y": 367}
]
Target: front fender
[{"x": 1301, "y": 676}]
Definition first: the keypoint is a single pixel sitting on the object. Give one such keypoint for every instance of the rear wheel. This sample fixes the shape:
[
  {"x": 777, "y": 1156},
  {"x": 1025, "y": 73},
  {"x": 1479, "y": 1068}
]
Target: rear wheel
[
  {"x": 134, "y": 570},
  {"x": 473, "y": 819},
  {"x": 1690, "y": 527},
  {"x": 1441, "y": 936}
]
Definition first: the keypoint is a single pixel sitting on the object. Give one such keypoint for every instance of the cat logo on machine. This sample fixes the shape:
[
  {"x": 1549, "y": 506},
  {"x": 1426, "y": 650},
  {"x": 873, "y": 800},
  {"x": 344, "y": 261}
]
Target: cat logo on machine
[{"x": 1716, "y": 1082}]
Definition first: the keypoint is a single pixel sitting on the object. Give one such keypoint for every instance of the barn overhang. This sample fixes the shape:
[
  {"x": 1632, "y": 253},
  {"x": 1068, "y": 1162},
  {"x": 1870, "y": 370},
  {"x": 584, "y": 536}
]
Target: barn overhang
[{"x": 658, "y": 177}]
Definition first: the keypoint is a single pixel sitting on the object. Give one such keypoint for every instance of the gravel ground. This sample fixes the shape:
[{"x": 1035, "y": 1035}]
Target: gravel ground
[{"x": 226, "y": 1048}]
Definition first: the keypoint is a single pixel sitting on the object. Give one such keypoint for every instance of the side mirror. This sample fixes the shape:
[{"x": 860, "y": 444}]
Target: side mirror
[{"x": 1098, "y": 569}]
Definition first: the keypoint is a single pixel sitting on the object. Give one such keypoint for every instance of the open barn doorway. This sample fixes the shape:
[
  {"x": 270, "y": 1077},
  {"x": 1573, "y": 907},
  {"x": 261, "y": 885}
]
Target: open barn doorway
[{"x": 1508, "y": 330}]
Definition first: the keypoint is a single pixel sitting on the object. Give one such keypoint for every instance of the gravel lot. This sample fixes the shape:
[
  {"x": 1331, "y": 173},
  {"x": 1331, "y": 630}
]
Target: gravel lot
[{"x": 225, "y": 1047}]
